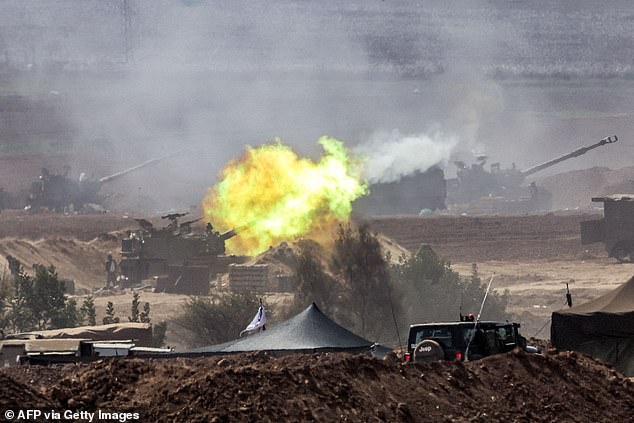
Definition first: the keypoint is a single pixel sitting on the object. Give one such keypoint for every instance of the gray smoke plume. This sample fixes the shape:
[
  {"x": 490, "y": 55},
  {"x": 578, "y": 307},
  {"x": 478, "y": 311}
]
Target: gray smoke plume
[{"x": 390, "y": 155}]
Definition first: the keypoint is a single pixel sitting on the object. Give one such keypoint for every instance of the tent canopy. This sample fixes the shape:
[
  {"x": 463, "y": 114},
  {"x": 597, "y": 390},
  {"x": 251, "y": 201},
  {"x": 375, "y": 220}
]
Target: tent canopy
[
  {"x": 619, "y": 300},
  {"x": 602, "y": 328},
  {"x": 309, "y": 331}
]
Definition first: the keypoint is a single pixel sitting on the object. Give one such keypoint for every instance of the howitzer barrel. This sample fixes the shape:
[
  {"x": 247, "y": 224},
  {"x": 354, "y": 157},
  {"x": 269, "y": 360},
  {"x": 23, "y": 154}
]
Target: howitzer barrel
[
  {"x": 576, "y": 153},
  {"x": 233, "y": 232},
  {"x": 137, "y": 167}
]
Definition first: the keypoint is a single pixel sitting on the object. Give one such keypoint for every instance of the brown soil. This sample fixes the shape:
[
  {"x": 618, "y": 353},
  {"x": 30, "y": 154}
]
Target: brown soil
[
  {"x": 339, "y": 387},
  {"x": 15, "y": 395},
  {"x": 504, "y": 238}
]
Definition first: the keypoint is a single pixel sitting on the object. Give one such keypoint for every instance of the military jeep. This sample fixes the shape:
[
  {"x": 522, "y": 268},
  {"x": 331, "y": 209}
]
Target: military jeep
[{"x": 449, "y": 340}]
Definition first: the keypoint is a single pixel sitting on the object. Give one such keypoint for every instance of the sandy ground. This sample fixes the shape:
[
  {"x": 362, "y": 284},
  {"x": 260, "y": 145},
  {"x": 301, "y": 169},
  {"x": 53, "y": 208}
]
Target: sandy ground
[{"x": 538, "y": 288}]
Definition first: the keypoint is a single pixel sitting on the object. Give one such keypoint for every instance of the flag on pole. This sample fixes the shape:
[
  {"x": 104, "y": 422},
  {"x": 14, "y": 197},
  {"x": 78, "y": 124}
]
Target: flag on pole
[{"x": 259, "y": 320}]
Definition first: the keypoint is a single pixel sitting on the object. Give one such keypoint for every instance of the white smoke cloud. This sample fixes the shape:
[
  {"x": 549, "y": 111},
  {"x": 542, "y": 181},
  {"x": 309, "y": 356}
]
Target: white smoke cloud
[{"x": 389, "y": 156}]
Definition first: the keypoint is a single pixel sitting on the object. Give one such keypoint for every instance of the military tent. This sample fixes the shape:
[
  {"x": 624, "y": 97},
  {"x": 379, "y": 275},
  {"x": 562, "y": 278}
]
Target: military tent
[
  {"x": 602, "y": 328},
  {"x": 309, "y": 331}
]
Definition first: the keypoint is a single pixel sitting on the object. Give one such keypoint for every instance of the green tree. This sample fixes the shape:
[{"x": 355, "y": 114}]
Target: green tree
[
  {"x": 217, "y": 318},
  {"x": 20, "y": 317},
  {"x": 68, "y": 317},
  {"x": 48, "y": 302},
  {"x": 431, "y": 291},
  {"x": 134, "y": 309},
  {"x": 144, "y": 317},
  {"x": 110, "y": 318},
  {"x": 314, "y": 284},
  {"x": 88, "y": 311},
  {"x": 38, "y": 302},
  {"x": 359, "y": 260},
  {"x": 5, "y": 284}
]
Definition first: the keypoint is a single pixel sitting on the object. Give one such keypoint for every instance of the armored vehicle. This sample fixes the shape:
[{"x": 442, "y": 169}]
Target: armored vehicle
[
  {"x": 180, "y": 260},
  {"x": 476, "y": 189},
  {"x": 616, "y": 229},
  {"x": 503, "y": 190},
  {"x": 58, "y": 192},
  {"x": 410, "y": 195},
  {"x": 462, "y": 340}
]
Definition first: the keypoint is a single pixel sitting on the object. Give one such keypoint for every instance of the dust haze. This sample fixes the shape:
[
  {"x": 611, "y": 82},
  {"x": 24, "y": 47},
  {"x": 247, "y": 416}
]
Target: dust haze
[{"x": 136, "y": 79}]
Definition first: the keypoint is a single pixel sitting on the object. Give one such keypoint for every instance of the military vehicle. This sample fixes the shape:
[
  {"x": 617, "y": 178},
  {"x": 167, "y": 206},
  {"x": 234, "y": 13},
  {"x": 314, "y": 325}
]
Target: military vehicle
[
  {"x": 502, "y": 190},
  {"x": 616, "y": 229},
  {"x": 410, "y": 195},
  {"x": 474, "y": 190},
  {"x": 463, "y": 340},
  {"x": 60, "y": 193},
  {"x": 180, "y": 260}
]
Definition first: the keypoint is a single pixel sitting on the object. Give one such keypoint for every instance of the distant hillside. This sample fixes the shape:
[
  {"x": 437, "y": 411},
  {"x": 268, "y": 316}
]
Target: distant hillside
[{"x": 576, "y": 188}]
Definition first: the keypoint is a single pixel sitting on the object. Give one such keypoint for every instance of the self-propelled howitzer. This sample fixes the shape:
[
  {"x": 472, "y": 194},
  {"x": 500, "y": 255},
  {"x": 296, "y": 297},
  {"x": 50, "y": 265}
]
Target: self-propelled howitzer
[
  {"x": 59, "y": 192},
  {"x": 183, "y": 261},
  {"x": 475, "y": 184}
]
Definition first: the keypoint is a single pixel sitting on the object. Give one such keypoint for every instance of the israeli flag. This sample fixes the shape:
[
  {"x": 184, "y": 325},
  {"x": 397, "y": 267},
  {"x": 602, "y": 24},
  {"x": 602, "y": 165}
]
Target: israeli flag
[{"x": 258, "y": 321}]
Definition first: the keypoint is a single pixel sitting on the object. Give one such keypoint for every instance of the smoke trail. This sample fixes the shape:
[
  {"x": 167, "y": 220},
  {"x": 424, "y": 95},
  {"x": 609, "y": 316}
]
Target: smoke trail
[{"x": 390, "y": 156}]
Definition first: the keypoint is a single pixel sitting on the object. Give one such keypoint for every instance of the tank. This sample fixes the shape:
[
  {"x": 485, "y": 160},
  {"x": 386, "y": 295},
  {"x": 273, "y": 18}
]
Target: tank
[
  {"x": 180, "y": 260},
  {"x": 504, "y": 190},
  {"x": 58, "y": 192},
  {"x": 616, "y": 229}
]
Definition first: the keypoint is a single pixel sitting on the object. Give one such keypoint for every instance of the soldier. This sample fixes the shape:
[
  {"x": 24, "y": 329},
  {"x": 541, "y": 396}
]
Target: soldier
[{"x": 111, "y": 271}]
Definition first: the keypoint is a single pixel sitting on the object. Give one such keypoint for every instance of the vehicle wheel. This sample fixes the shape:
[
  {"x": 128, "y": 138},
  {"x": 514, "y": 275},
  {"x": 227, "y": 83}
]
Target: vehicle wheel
[{"x": 428, "y": 350}]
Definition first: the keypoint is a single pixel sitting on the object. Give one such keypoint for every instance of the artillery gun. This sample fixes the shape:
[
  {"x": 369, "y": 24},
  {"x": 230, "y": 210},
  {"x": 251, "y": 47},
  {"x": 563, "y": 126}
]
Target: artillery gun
[
  {"x": 59, "y": 193},
  {"x": 410, "y": 195},
  {"x": 181, "y": 261},
  {"x": 503, "y": 190}
]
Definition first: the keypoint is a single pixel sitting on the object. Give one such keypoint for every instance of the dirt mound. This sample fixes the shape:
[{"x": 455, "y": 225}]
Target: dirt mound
[
  {"x": 81, "y": 261},
  {"x": 342, "y": 387},
  {"x": 16, "y": 395}
]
